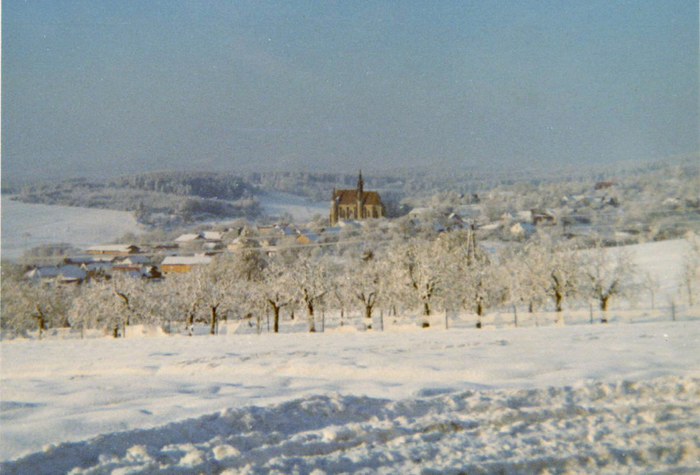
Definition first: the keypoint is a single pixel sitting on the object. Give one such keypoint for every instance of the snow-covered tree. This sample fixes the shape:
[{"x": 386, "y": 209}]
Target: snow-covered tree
[
  {"x": 27, "y": 305},
  {"x": 98, "y": 306},
  {"x": 365, "y": 280},
  {"x": 469, "y": 279},
  {"x": 311, "y": 281},
  {"x": 557, "y": 263},
  {"x": 215, "y": 289},
  {"x": 607, "y": 274},
  {"x": 275, "y": 290},
  {"x": 691, "y": 267},
  {"x": 421, "y": 265}
]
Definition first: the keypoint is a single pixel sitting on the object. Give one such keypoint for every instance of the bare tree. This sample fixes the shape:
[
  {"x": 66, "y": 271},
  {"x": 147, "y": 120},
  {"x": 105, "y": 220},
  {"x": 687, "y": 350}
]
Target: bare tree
[{"x": 651, "y": 283}]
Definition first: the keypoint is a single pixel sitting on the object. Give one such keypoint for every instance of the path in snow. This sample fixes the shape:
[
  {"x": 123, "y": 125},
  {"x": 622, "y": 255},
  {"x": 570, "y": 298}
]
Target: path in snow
[{"x": 635, "y": 427}]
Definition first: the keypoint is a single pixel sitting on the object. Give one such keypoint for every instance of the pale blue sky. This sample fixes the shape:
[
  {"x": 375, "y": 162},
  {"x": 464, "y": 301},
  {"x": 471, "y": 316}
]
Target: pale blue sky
[{"x": 102, "y": 88}]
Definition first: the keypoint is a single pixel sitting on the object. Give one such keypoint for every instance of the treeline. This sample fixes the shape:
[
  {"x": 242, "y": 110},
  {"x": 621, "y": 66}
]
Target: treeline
[
  {"x": 400, "y": 278},
  {"x": 223, "y": 186},
  {"x": 318, "y": 186},
  {"x": 157, "y": 200}
]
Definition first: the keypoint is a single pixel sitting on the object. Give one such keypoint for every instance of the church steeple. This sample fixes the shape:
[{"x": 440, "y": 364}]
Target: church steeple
[{"x": 360, "y": 186}]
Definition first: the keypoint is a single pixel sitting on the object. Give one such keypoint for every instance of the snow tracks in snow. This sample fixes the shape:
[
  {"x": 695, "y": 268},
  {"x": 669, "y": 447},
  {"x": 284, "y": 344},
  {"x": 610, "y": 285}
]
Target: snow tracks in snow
[{"x": 632, "y": 427}]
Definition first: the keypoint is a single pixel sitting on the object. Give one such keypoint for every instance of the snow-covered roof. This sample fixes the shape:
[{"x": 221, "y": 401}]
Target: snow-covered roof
[
  {"x": 188, "y": 237},
  {"x": 490, "y": 226},
  {"x": 121, "y": 248},
  {"x": 419, "y": 212},
  {"x": 98, "y": 265},
  {"x": 71, "y": 273},
  {"x": 186, "y": 260},
  {"x": 522, "y": 228},
  {"x": 212, "y": 235},
  {"x": 136, "y": 260},
  {"x": 42, "y": 272},
  {"x": 312, "y": 237}
]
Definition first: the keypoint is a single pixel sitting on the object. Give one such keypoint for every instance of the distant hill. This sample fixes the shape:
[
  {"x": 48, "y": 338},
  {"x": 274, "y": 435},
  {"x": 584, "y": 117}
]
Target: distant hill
[{"x": 160, "y": 199}]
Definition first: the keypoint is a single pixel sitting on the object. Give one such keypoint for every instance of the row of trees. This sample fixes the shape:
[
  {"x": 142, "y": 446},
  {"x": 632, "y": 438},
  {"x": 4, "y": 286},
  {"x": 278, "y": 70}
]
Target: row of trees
[{"x": 403, "y": 278}]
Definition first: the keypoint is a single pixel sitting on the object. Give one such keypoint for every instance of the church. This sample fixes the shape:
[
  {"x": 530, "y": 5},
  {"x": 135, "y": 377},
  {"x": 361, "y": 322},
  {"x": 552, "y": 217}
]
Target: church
[{"x": 355, "y": 204}]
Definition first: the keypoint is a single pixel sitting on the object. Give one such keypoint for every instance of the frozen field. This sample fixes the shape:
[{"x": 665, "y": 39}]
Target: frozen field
[
  {"x": 29, "y": 225},
  {"x": 301, "y": 209},
  {"x": 578, "y": 398},
  {"x": 25, "y": 226}
]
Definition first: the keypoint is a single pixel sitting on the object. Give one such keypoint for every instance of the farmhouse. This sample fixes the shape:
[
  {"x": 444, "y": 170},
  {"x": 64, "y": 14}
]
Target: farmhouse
[
  {"x": 355, "y": 204},
  {"x": 183, "y": 263},
  {"x": 114, "y": 249}
]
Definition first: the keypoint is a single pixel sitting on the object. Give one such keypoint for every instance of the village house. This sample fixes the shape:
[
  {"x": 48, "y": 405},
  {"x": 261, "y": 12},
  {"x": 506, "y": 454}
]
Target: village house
[
  {"x": 113, "y": 249},
  {"x": 355, "y": 204},
  {"x": 189, "y": 238},
  {"x": 179, "y": 264},
  {"x": 306, "y": 238}
]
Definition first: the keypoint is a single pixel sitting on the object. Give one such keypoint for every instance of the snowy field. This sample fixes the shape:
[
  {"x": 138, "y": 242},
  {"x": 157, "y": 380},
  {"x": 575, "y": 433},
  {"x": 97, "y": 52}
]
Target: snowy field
[
  {"x": 593, "y": 398},
  {"x": 301, "y": 209},
  {"x": 622, "y": 397},
  {"x": 25, "y": 226}
]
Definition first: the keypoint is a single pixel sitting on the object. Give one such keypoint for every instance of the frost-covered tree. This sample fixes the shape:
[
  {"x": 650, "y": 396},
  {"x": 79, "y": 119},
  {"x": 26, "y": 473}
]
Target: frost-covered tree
[
  {"x": 533, "y": 276},
  {"x": 247, "y": 263},
  {"x": 27, "y": 305},
  {"x": 311, "y": 280},
  {"x": 421, "y": 266},
  {"x": 214, "y": 288},
  {"x": 607, "y": 274},
  {"x": 559, "y": 267},
  {"x": 99, "y": 305},
  {"x": 275, "y": 290},
  {"x": 469, "y": 279},
  {"x": 177, "y": 297},
  {"x": 365, "y": 280},
  {"x": 691, "y": 267}
]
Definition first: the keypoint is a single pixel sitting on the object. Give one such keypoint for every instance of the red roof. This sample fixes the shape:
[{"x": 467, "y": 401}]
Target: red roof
[{"x": 349, "y": 197}]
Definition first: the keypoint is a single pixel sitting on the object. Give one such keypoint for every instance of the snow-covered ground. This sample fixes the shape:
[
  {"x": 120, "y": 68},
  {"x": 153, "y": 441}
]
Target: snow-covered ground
[
  {"x": 300, "y": 208},
  {"x": 539, "y": 398},
  {"x": 25, "y": 226},
  {"x": 578, "y": 397}
]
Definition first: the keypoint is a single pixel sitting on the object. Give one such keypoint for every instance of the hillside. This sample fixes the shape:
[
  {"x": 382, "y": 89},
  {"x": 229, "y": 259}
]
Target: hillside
[{"x": 158, "y": 200}]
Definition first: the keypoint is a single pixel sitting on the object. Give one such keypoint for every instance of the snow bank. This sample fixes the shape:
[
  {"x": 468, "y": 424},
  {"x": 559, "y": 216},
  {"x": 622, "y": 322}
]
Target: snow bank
[
  {"x": 596, "y": 427},
  {"x": 58, "y": 395}
]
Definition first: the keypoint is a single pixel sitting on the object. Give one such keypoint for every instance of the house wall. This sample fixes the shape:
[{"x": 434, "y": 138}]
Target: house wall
[
  {"x": 178, "y": 268},
  {"x": 111, "y": 253}
]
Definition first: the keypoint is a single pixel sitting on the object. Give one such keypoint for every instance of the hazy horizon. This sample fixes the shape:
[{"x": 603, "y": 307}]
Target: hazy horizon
[{"x": 109, "y": 88}]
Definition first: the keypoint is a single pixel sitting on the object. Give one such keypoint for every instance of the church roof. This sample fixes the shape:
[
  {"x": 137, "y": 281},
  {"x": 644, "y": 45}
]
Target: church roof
[{"x": 349, "y": 197}]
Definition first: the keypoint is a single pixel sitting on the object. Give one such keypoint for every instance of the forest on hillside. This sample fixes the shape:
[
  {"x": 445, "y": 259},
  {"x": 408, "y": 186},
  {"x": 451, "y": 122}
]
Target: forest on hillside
[
  {"x": 158, "y": 200},
  {"x": 169, "y": 199}
]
